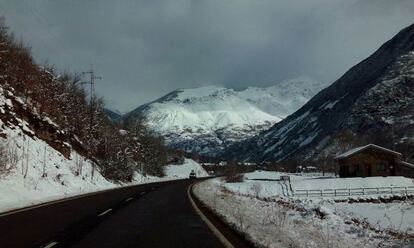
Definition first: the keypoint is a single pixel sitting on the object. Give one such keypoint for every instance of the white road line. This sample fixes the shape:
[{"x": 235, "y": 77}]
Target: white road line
[
  {"x": 129, "y": 199},
  {"x": 143, "y": 193},
  {"x": 210, "y": 225},
  {"x": 59, "y": 201},
  {"x": 64, "y": 200},
  {"x": 51, "y": 244},
  {"x": 3, "y": 214},
  {"x": 45, "y": 204},
  {"x": 105, "y": 212}
]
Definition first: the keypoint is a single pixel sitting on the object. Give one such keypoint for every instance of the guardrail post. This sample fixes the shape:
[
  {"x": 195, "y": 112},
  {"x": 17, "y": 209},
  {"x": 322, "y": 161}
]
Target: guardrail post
[
  {"x": 349, "y": 192},
  {"x": 335, "y": 192},
  {"x": 406, "y": 190},
  {"x": 307, "y": 193},
  {"x": 363, "y": 191},
  {"x": 321, "y": 193},
  {"x": 377, "y": 190}
]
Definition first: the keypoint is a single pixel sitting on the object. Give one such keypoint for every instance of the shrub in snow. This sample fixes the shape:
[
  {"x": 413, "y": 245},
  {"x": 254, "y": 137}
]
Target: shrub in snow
[
  {"x": 8, "y": 158},
  {"x": 255, "y": 189},
  {"x": 233, "y": 173}
]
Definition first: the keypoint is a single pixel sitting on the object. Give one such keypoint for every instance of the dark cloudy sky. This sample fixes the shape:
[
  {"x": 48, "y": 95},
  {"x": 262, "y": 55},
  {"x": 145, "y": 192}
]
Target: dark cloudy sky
[{"x": 146, "y": 48}]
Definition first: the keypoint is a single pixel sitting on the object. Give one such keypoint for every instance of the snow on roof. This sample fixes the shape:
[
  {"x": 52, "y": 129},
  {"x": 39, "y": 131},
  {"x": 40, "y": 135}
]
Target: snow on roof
[
  {"x": 361, "y": 148},
  {"x": 407, "y": 164}
]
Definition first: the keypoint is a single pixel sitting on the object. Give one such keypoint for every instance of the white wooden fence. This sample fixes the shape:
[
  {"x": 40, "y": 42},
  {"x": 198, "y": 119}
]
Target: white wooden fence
[{"x": 353, "y": 191}]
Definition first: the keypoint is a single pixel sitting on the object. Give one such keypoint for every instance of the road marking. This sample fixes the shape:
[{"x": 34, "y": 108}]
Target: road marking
[
  {"x": 51, "y": 244},
  {"x": 210, "y": 225},
  {"x": 73, "y": 198},
  {"x": 105, "y": 212},
  {"x": 59, "y": 201},
  {"x": 129, "y": 199},
  {"x": 143, "y": 193}
]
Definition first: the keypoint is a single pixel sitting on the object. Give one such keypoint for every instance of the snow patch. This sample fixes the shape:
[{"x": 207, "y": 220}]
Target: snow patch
[{"x": 183, "y": 170}]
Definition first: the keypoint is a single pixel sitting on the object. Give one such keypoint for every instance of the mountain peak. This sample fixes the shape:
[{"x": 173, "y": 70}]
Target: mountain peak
[{"x": 208, "y": 118}]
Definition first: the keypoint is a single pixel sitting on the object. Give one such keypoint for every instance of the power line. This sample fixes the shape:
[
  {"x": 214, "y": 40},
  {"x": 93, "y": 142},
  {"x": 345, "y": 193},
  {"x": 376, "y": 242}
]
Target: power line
[{"x": 91, "y": 82}]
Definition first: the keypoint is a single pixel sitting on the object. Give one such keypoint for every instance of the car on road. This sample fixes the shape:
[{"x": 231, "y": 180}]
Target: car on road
[{"x": 192, "y": 174}]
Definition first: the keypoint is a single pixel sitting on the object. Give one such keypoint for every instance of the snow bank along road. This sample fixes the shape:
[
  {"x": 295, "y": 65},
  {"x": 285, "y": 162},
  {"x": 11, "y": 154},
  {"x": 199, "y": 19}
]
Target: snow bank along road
[{"x": 148, "y": 215}]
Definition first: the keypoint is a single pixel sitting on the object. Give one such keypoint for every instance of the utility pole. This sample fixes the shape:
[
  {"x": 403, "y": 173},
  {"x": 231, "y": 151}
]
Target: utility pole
[{"x": 91, "y": 82}]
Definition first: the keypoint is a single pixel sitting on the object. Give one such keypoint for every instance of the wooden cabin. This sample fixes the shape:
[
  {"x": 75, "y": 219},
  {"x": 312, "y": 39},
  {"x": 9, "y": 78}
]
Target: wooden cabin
[{"x": 372, "y": 160}]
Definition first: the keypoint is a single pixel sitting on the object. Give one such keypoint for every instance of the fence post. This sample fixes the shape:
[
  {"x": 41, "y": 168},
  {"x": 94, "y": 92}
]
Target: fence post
[
  {"x": 406, "y": 190},
  {"x": 335, "y": 192},
  {"x": 377, "y": 190},
  {"x": 349, "y": 192},
  {"x": 307, "y": 193},
  {"x": 391, "y": 190},
  {"x": 321, "y": 193},
  {"x": 363, "y": 191}
]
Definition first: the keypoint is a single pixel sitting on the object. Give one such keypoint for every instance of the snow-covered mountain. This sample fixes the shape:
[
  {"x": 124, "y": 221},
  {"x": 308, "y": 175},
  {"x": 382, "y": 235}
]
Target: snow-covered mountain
[
  {"x": 208, "y": 119},
  {"x": 371, "y": 103}
]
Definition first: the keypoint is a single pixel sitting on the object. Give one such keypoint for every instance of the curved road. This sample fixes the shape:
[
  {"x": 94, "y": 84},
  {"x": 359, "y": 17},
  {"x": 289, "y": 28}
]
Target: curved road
[
  {"x": 162, "y": 218},
  {"x": 149, "y": 215}
]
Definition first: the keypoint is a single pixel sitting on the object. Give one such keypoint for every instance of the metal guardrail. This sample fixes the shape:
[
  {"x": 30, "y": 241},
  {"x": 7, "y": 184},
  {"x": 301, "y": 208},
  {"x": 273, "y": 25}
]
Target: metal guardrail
[{"x": 353, "y": 191}]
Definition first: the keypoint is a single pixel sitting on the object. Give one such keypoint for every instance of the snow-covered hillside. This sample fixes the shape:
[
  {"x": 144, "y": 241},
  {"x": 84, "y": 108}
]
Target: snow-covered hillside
[
  {"x": 31, "y": 171},
  {"x": 183, "y": 170},
  {"x": 36, "y": 169},
  {"x": 208, "y": 119}
]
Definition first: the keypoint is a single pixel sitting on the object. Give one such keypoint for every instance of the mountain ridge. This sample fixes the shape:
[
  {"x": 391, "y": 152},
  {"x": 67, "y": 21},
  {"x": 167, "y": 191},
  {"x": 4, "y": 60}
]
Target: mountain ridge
[
  {"x": 209, "y": 118},
  {"x": 335, "y": 109}
]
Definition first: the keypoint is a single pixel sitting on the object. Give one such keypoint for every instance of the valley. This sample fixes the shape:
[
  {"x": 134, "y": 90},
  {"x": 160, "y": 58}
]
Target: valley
[{"x": 261, "y": 124}]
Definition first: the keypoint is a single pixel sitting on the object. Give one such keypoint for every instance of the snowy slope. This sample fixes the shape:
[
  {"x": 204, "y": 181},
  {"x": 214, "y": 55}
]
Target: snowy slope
[
  {"x": 183, "y": 170},
  {"x": 208, "y": 119},
  {"x": 32, "y": 171}
]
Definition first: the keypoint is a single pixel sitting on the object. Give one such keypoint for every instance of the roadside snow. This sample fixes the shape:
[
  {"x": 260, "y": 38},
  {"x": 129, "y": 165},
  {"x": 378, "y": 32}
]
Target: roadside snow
[
  {"x": 262, "y": 205},
  {"x": 397, "y": 216},
  {"x": 183, "y": 170},
  {"x": 357, "y": 182},
  {"x": 283, "y": 222},
  {"x": 39, "y": 173},
  {"x": 270, "y": 184}
]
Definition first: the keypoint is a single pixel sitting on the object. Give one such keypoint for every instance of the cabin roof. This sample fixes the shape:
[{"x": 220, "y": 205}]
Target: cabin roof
[
  {"x": 362, "y": 148},
  {"x": 407, "y": 164}
]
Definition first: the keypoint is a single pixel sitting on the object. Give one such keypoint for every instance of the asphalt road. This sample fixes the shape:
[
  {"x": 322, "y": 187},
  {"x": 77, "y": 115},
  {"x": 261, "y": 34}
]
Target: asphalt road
[
  {"x": 162, "y": 218},
  {"x": 152, "y": 215}
]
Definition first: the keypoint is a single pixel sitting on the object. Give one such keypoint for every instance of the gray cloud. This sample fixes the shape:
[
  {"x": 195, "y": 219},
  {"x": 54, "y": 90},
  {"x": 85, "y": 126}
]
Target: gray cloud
[{"x": 144, "y": 49}]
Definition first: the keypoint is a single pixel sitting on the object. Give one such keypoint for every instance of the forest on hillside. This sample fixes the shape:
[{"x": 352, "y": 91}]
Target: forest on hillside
[{"x": 118, "y": 150}]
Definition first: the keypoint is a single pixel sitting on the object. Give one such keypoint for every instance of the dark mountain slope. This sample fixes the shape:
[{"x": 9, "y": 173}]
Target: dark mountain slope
[
  {"x": 368, "y": 103},
  {"x": 112, "y": 115}
]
